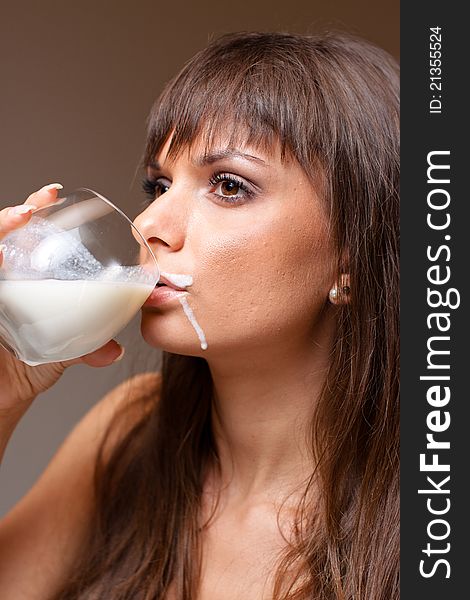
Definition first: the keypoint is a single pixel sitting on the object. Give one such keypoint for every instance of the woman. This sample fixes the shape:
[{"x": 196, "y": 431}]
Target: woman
[{"x": 264, "y": 465}]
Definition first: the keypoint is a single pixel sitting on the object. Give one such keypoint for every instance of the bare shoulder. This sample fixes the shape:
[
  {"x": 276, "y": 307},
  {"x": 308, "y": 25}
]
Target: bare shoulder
[{"x": 41, "y": 536}]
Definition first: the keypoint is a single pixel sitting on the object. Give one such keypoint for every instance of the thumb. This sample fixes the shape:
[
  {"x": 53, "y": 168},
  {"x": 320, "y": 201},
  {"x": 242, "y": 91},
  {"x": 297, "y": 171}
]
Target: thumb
[{"x": 108, "y": 354}]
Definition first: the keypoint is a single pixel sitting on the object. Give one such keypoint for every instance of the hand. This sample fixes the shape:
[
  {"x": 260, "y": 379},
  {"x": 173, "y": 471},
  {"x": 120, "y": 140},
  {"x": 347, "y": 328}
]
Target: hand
[{"x": 19, "y": 382}]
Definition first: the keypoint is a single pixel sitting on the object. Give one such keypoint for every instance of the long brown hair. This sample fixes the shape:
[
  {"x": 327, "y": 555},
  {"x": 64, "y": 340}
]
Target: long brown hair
[{"x": 331, "y": 101}]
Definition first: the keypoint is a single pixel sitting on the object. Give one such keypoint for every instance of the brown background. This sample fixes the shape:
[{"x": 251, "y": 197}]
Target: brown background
[{"x": 77, "y": 82}]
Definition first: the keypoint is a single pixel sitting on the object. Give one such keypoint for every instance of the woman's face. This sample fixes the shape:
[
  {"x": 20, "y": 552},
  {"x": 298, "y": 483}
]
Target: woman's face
[{"x": 252, "y": 232}]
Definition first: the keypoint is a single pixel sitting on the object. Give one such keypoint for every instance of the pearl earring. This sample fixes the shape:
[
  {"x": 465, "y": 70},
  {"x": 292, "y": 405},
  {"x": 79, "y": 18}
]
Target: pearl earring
[{"x": 334, "y": 293}]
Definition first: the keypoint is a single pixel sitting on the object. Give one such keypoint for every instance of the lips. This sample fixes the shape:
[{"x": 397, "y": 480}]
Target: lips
[
  {"x": 163, "y": 294},
  {"x": 165, "y": 283},
  {"x": 169, "y": 287}
]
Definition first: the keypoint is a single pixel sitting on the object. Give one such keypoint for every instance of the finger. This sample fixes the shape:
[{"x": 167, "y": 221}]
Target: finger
[
  {"x": 13, "y": 217},
  {"x": 44, "y": 196},
  {"x": 108, "y": 354}
]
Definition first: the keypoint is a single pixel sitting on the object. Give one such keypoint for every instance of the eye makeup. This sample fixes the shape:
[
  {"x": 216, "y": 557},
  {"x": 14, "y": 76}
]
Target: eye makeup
[
  {"x": 152, "y": 188},
  {"x": 232, "y": 188},
  {"x": 226, "y": 187}
]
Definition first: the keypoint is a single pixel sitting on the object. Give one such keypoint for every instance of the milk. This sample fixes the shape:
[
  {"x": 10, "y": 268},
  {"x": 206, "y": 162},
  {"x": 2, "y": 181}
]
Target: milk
[
  {"x": 192, "y": 319},
  {"x": 52, "y": 320}
]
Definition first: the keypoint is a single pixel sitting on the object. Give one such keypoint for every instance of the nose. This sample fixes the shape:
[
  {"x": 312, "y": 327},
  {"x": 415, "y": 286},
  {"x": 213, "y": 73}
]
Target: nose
[{"x": 164, "y": 223}]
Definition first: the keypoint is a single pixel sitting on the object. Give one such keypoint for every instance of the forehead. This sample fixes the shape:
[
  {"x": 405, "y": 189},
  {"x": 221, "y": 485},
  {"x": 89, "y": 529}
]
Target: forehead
[{"x": 206, "y": 149}]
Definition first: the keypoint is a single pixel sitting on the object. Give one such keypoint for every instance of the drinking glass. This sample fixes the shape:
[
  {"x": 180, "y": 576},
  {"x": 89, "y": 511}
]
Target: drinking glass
[{"x": 72, "y": 278}]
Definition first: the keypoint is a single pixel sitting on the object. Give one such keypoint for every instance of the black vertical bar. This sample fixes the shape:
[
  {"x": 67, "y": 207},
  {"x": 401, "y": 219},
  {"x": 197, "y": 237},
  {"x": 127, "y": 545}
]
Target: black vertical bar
[{"x": 434, "y": 547}]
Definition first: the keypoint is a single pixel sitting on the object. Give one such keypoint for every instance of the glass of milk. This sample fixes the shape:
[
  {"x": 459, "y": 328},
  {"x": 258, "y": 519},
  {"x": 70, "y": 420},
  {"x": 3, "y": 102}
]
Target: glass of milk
[{"x": 72, "y": 278}]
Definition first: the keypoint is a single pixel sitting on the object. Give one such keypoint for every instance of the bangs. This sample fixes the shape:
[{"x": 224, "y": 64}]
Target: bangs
[
  {"x": 329, "y": 102},
  {"x": 243, "y": 95}
]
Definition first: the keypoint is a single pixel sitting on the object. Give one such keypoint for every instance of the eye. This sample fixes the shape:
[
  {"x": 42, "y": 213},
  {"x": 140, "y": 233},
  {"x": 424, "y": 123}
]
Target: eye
[
  {"x": 229, "y": 188},
  {"x": 154, "y": 188}
]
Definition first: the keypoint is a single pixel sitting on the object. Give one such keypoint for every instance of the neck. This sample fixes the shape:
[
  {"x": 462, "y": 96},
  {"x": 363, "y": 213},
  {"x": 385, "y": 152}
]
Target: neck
[{"x": 262, "y": 411}]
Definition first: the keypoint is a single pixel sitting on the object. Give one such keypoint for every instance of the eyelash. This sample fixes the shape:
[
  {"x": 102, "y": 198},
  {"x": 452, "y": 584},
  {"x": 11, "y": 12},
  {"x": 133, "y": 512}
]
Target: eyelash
[
  {"x": 150, "y": 187},
  {"x": 227, "y": 177}
]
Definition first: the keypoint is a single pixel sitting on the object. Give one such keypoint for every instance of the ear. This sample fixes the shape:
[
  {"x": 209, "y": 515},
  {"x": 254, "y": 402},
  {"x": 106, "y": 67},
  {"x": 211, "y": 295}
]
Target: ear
[{"x": 339, "y": 293}]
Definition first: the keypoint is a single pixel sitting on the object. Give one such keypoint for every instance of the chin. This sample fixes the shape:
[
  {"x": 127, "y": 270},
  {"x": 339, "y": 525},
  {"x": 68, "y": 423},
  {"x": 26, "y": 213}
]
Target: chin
[{"x": 173, "y": 340}]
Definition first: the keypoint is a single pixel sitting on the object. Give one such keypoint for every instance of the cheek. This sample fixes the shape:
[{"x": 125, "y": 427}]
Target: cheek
[{"x": 262, "y": 278}]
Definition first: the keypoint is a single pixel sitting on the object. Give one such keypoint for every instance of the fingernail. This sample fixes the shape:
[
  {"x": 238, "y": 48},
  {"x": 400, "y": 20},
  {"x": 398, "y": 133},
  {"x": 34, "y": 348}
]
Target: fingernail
[
  {"x": 121, "y": 354},
  {"x": 2, "y": 247},
  {"x": 52, "y": 186},
  {"x": 22, "y": 209}
]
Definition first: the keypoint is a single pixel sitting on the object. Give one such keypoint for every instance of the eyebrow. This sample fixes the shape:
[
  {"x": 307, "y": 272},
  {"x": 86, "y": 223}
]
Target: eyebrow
[{"x": 212, "y": 157}]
